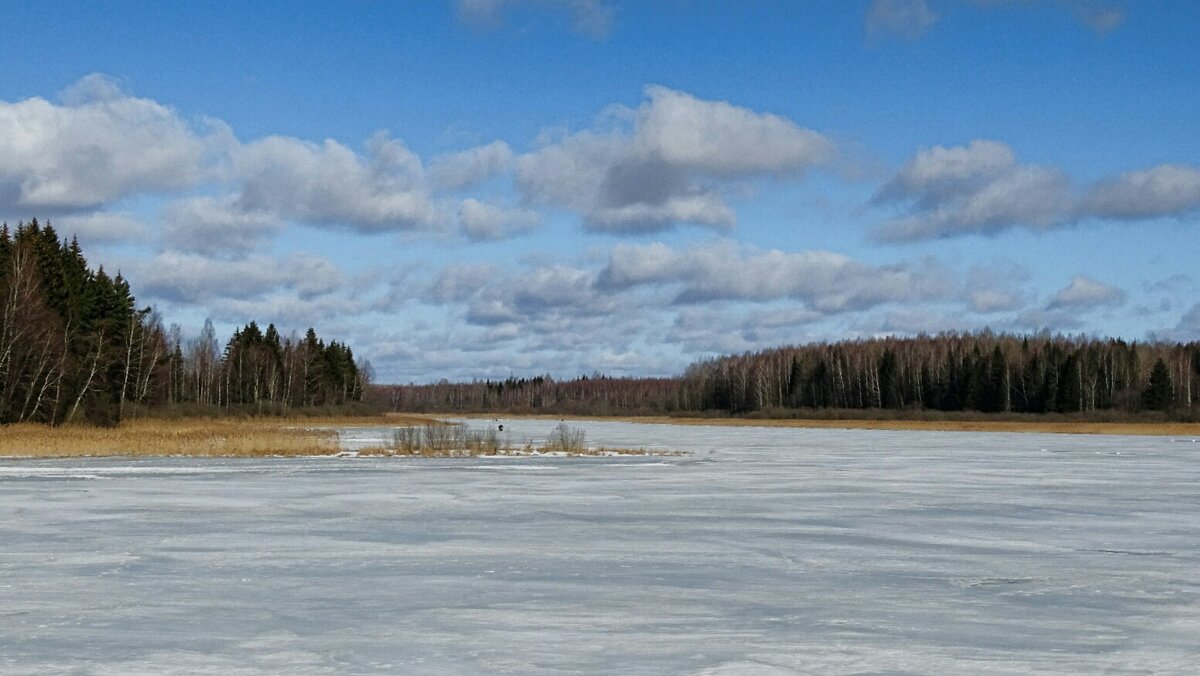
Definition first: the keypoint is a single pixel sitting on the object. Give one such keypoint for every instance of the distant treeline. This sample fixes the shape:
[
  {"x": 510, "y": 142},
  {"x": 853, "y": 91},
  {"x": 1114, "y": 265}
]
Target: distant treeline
[
  {"x": 75, "y": 346},
  {"x": 984, "y": 372},
  {"x": 599, "y": 395}
]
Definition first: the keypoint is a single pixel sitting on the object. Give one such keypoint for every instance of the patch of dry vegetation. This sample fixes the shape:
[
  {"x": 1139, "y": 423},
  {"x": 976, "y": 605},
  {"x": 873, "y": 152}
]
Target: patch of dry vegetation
[
  {"x": 192, "y": 437},
  {"x": 442, "y": 440},
  {"x": 416, "y": 436}
]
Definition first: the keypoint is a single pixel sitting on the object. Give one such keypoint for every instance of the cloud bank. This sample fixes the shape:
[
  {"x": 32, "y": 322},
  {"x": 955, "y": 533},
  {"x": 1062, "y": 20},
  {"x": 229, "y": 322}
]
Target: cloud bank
[
  {"x": 982, "y": 189},
  {"x": 669, "y": 166}
]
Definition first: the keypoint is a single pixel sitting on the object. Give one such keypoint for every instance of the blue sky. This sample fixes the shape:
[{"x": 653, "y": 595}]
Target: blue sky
[{"x": 479, "y": 188}]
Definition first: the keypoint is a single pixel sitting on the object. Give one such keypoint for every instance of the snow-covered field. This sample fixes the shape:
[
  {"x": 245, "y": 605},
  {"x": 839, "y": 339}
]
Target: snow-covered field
[{"x": 765, "y": 551}]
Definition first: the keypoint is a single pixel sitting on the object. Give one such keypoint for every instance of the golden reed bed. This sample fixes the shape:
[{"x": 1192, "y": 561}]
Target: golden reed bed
[{"x": 187, "y": 436}]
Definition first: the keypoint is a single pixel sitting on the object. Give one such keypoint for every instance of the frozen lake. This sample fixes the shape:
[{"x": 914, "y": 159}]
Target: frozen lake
[{"x": 765, "y": 551}]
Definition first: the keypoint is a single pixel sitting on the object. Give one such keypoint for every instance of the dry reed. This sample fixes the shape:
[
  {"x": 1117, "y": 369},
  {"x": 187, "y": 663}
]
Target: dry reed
[
  {"x": 148, "y": 437},
  {"x": 442, "y": 440}
]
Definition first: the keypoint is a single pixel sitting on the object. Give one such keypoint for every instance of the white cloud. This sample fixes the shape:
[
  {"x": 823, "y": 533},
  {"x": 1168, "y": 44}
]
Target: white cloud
[
  {"x": 191, "y": 278},
  {"x": 982, "y": 189},
  {"x": 101, "y": 227},
  {"x": 1085, "y": 293},
  {"x": 458, "y": 283},
  {"x": 551, "y": 304},
  {"x": 102, "y": 145},
  {"x": 1165, "y": 190},
  {"x": 535, "y": 297},
  {"x": 99, "y": 146},
  {"x": 973, "y": 189},
  {"x": 937, "y": 174},
  {"x": 717, "y": 138},
  {"x": 670, "y": 166},
  {"x": 484, "y": 221},
  {"x": 825, "y": 281},
  {"x": 471, "y": 166},
  {"x": 211, "y": 226},
  {"x": 330, "y": 184}
]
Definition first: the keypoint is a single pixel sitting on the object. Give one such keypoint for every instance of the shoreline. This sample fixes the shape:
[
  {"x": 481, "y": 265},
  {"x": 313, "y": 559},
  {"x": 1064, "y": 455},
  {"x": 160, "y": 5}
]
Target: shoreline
[
  {"x": 1164, "y": 429},
  {"x": 190, "y": 437},
  {"x": 308, "y": 437}
]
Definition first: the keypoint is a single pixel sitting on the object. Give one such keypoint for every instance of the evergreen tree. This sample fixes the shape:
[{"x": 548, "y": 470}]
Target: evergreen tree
[{"x": 1159, "y": 394}]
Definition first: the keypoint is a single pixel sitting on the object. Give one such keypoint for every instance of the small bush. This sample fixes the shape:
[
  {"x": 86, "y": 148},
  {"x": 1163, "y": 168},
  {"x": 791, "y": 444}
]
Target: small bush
[
  {"x": 445, "y": 440},
  {"x": 566, "y": 439},
  {"x": 453, "y": 441}
]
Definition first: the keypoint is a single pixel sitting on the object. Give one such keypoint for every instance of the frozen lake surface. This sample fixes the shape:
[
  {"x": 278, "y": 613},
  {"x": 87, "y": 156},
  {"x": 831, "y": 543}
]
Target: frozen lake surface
[{"x": 765, "y": 551}]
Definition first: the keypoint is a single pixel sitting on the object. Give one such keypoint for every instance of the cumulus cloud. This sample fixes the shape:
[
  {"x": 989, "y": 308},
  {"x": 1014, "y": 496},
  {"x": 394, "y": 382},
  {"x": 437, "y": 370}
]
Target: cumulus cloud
[
  {"x": 545, "y": 313},
  {"x": 1085, "y": 293},
  {"x": 715, "y": 137},
  {"x": 974, "y": 189},
  {"x": 458, "y": 283},
  {"x": 549, "y": 291},
  {"x": 540, "y": 293},
  {"x": 470, "y": 167},
  {"x": 101, "y": 145},
  {"x": 982, "y": 189},
  {"x": 908, "y": 19},
  {"x": 669, "y": 166},
  {"x": 191, "y": 278},
  {"x": 825, "y": 281},
  {"x": 212, "y": 226},
  {"x": 485, "y": 221},
  {"x": 96, "y": 147},
  {"x": 591, "y": 17},
  {"x": 1165, "y": 190},
  {"x": 101, "y": 227},
  {"x": 330, "y": 184}
]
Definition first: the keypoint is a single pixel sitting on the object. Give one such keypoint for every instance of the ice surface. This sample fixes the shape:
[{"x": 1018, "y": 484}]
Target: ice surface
[{"x": 765, "y": 551}]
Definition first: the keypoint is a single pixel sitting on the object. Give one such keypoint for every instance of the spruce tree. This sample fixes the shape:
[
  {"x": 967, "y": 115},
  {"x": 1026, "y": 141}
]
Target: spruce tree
[{"x": 1159, "y": 394}]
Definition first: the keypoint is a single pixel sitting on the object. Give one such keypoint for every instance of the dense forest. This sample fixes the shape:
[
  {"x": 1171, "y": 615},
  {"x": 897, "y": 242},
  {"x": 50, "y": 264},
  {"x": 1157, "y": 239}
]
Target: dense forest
[
  {"x": 984, "y": 372},
  {"x": 74, "y": 345}
]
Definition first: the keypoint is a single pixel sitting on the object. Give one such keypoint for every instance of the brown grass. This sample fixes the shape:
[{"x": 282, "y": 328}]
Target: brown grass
[
  {"x": 193, "y": 437},
  {"x": 1045, "y": 427}
]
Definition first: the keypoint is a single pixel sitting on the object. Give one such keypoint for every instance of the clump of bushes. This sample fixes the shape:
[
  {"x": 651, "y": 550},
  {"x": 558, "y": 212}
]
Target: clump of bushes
[
  {"x": 566, "y": 439},
  {"x": 435, "y": 439},
  {"x": 441, "y": 440}
]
